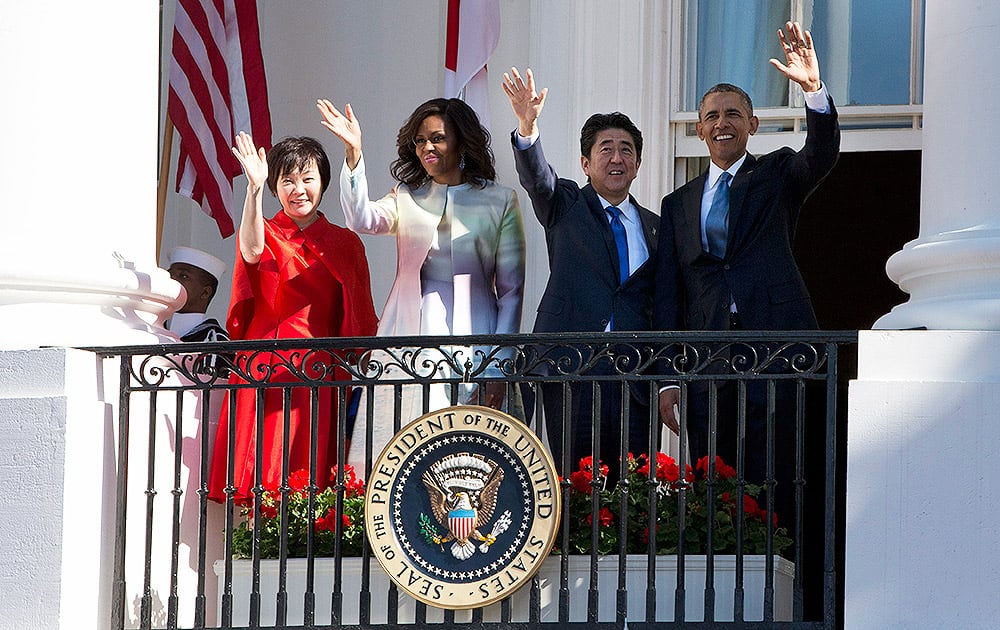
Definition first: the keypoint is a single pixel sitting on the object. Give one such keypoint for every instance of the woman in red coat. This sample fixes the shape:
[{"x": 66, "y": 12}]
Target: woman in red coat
[{"x": 296, "y": 276}]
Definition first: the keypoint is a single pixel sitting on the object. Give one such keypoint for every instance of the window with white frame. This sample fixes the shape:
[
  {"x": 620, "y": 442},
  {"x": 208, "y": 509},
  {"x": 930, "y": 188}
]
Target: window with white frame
[
  {"x": 871, "y": 60},
  {"x": 870, "y": 51}
]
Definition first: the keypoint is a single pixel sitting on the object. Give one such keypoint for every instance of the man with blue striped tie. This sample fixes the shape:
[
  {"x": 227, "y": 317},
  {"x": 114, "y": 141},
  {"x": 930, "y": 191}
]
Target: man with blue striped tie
[{"x": 725, "y": 259}]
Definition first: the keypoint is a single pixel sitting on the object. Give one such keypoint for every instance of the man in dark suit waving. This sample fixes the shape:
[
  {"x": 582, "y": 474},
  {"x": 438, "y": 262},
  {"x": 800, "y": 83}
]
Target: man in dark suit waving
[
  {"x": 725, "y": 258},
  {"x": 599, "y": 242}
]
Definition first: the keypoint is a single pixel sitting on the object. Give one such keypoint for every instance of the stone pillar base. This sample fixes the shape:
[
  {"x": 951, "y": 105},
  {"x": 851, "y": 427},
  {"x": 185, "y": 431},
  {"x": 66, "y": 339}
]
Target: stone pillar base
[{"x": 953, "y": 280}]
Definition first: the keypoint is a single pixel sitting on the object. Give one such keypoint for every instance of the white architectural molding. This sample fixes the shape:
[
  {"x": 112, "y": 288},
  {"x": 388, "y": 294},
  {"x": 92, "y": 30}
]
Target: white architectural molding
[
  {"x": 923, "y": 440},
  {"x": 83, "y": 306},
  {"x": 79, "y": 173},
  {"x": 952, "y": 270},
  {"x": 953, "y": 279}
]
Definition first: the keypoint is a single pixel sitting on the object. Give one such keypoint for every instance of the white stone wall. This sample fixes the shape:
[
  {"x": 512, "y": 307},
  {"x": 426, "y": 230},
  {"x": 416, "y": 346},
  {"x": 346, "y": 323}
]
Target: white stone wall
[
  {"x": 59, "y": 466},
  {"x": 923, "y": 501},
  {"x": 56, "y": 466}
]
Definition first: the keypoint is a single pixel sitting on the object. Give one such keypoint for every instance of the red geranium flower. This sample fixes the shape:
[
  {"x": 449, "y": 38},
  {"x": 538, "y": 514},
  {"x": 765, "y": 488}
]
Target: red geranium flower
[
  {"x": 722, "y": 469},
  {"x": 642, "y": 470},
  {"x": 666, "y": 468},
  {"x": 587, "y": 464},
  {"x": 353, "y": 486},
  {"x": 580, "y": 481},
  {"x": 604, "y": 517},
  {"x": 327, "y": 523},
  {"x": 298, "y": 480},
  {"x": 649, "y": 487}
]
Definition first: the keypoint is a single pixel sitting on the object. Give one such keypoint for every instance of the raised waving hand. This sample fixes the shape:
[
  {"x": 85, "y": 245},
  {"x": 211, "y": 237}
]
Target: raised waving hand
[
  {"x": 252, "y": 159},
  {"x": 345, "y": 126},
  {"x": 524, "y": 100},
  {"x": 801, "y": 64}
]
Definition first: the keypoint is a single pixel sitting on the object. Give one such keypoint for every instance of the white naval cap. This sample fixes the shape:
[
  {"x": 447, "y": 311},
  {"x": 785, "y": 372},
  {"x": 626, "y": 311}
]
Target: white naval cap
[{"x": 198, "y": 258}]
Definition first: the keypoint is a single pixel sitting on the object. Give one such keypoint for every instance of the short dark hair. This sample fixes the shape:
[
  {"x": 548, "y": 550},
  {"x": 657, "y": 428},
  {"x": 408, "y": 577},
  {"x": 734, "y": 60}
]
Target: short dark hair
[
  {"x": 727, "y": 87},
  {"x": 294, "y": 154},
  {"x": 470, "y": 137},
  {"x": 599, "y": 122}
]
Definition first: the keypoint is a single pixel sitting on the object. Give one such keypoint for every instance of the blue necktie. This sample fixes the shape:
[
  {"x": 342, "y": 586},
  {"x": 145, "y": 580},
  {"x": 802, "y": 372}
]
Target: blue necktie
[
  {"x": 718, "y": 215},
  {"x": 618, "y": 229}
]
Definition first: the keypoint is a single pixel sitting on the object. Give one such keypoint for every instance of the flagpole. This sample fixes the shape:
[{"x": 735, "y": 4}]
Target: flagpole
[{"x": 161, "y": 189}]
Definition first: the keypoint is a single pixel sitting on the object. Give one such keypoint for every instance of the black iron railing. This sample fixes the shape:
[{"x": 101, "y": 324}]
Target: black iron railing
[{"x": 768, "y": 401}]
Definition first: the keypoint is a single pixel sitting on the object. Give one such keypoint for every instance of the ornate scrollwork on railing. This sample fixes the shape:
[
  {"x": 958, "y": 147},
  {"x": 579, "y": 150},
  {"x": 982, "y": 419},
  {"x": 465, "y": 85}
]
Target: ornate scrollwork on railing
[
  {"x": 156, "y": 370},
  {"x": 575, "y": 359},
  {"x": 306, "y": 366},
  {"x": 417, "y": 363},
  {"x": 517, "y": 357},
  {"x": 439, "y": 362},
  {"x": 153, "y": 371}
]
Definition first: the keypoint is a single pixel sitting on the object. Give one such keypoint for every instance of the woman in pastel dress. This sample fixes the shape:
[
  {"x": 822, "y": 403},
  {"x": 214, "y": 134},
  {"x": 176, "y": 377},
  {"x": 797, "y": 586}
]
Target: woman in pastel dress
[{"x": 459, "y": 242}]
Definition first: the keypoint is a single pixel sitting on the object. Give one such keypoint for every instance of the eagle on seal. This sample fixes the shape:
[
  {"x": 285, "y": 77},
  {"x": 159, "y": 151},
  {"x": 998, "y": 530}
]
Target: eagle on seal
[{"x": 463, "y": 492}]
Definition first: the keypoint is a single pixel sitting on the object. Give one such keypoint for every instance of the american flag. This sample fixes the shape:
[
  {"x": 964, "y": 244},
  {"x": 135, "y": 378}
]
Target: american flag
[
  {"x": 217, "y": 89},
  {"x": 473, "y": 34}
]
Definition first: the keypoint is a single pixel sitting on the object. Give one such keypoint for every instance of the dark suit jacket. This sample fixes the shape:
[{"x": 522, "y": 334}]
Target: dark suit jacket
[
  {"x": 583, "y": 290},
  {"x": 693, "y": 287}
]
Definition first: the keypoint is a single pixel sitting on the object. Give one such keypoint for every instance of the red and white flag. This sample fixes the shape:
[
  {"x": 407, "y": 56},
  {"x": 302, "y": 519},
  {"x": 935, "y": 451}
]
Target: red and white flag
[
  {"x": 217, "y": 89},
  {"x": 473, "y": 33}
]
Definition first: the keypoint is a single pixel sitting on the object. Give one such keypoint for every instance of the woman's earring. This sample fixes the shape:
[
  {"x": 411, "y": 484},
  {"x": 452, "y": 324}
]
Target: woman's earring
[{"x": 461, "y": 162}]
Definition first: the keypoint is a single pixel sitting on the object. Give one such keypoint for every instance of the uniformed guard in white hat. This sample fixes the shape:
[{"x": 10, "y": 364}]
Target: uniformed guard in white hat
[{"x": 199, "y": 273}]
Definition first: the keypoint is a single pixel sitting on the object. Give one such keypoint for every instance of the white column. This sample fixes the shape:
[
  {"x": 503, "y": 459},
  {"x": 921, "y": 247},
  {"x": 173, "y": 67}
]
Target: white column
[
  {"x": 952, "y": 270},
  {"x": 79, "y": 170},
  {"x": 923, "y": 437}
]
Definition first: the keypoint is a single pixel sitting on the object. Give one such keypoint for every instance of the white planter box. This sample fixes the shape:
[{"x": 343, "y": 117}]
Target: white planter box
[
  {"x": 579, "y": 584},
  {"x": 666, "y": 583}
]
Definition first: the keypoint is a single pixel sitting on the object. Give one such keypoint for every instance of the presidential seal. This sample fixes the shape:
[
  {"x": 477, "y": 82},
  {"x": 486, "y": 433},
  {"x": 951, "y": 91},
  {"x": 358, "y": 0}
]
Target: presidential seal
[{"x": 462, "y": 507}]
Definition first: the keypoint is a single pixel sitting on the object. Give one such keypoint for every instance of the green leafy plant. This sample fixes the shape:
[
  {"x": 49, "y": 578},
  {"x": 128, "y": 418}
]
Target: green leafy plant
[
  {"x": 709, "y": 497},
  {"x": 322, "y": 520},
  {"x": 706, "y": 491}
]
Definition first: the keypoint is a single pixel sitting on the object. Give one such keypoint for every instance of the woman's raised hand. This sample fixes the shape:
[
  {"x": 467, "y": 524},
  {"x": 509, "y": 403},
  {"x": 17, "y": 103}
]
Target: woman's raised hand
[
  {"x": 345, "y": 126},
  {"x": 253, "y": 160}
]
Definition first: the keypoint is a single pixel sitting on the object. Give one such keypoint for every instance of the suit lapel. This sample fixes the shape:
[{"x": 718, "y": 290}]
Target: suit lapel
[
  {"x": 599, "y": 216},
  {"x": 692, "y": 210},
  {"x": 737, "y": 195},
  {"x": 650, "y": 224}
]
